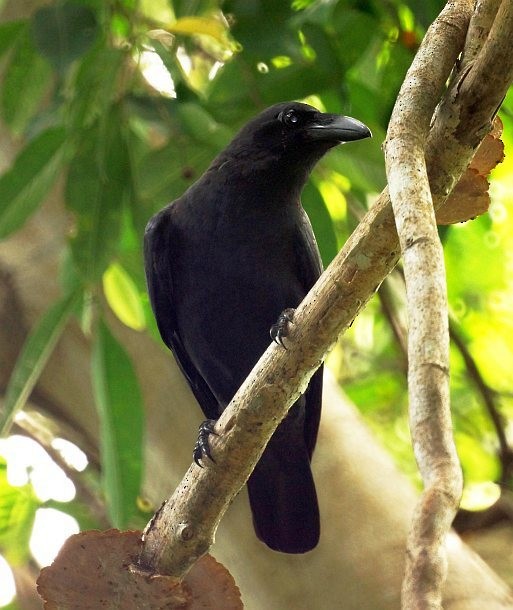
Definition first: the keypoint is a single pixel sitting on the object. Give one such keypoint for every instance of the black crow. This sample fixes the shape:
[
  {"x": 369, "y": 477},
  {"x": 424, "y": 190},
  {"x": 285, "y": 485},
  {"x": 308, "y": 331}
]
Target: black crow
[{"x": 222, "y": 263}]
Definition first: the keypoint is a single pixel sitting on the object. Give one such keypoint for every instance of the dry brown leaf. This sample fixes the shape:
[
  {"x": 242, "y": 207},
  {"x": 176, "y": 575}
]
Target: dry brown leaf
[
  {"x": 93, "y": 570},
  {"x": 470, "y": 197},
  {"x": 212, "y": 586}
]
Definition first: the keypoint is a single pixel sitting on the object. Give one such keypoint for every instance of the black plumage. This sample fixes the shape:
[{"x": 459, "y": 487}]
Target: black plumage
[{"x": 222, "y": 262}]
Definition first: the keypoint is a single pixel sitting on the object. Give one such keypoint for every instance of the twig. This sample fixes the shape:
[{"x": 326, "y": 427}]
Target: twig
[
  {"x": 428, "y": 338},
  {"x": 386, "y": 299},
  {"x": 185, "y": 526},
  {"x": 488, "y": 396}
]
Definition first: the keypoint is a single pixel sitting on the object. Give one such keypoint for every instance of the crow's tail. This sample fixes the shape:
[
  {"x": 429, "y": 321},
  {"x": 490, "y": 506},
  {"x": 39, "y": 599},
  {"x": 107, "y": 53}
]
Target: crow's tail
[{"x": 282, "y": 492}]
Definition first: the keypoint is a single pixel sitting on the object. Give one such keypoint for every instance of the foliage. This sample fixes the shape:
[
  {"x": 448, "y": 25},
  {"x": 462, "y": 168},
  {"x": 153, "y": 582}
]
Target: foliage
[{"x": 130, "y": 100}]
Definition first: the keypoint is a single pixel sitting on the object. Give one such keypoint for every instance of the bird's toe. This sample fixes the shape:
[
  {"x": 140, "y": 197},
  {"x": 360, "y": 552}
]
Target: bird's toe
[
  {"x": 281, "y": 329},
  {"x": 202, "y": 446}
]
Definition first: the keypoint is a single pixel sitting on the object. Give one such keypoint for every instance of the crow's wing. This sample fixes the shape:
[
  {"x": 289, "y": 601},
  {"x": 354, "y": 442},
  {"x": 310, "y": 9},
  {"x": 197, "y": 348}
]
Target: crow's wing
[
  {"x": 158, "y": 239},
  {"x": 309, "y": 269},
  {"x": 309, "y": 263}
]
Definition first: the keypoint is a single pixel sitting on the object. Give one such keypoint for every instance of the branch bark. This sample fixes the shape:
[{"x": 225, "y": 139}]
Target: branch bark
[
  {"x": 428, "y": 338},
  {"x": 184, "y": 527},
  {"x": 478, "y": 29}
]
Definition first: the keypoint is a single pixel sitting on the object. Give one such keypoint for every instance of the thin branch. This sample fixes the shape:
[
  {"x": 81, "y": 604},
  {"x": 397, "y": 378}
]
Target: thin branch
[
  {"x": 428, "y": 338},
  {"x": 185, "y": 525},
  {"x": 488, "y": 395},
  {"x": 389, "y": 309},
  {"x": 387, "y": 296}
]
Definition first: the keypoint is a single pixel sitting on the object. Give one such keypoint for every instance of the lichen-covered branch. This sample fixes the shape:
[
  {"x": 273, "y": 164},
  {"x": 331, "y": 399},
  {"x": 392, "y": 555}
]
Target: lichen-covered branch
[
  {"x": 185, "y": 526},
  {"x": 428, "y": 337}
]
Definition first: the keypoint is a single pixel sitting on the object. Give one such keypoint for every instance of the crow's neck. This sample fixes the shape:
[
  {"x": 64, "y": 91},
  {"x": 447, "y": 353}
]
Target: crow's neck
[{"x": 270, "y": 182}]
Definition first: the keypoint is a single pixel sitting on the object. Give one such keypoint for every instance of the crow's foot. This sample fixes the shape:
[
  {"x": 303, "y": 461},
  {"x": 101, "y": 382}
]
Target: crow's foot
[
  {"x": 202, "y": 446},
  {"x": 281, "y": 328}
]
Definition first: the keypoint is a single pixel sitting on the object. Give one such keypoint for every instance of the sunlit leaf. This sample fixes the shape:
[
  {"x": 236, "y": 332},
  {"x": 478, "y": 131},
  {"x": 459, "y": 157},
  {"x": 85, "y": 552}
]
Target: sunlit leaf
[
  {"x": 119, "y": 404},
  {"x": 18, "y": 507},
  {"x": 480, "y": 496},
  {"x": 33, "y": 358},
  {"x": 479, "y": 464},
  {"x": 161, "y": 10},
  {"x": 34, "y": 171},
  {"x": 208, "y": 26},
  {"x": 123, "y": 297}
]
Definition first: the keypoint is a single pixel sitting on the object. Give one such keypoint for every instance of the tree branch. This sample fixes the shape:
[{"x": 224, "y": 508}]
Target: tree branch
[
  {"x": 184, "y": 527},
  {"x": 482, "y": 90},
  {"x": 478, "y": 29},
  {"x": 428, "y": 338}
]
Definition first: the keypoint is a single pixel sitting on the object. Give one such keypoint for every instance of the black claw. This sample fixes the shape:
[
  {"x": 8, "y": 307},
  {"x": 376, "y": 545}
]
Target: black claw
[
  {"x": 202, "y": 446},
  {"x": 280, "y": 330}
]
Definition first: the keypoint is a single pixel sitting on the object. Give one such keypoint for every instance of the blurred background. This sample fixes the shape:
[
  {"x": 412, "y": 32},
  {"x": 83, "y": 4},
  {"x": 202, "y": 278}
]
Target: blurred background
[{"x": 109, "y": 109}]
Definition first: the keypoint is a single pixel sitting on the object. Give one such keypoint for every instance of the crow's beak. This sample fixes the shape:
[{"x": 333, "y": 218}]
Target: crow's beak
[{"x": 334, "y": 127}]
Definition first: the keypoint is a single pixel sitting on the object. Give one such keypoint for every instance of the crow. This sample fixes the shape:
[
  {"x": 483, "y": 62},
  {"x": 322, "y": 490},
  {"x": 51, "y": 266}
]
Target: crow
[{"x": 223, "y": 262}]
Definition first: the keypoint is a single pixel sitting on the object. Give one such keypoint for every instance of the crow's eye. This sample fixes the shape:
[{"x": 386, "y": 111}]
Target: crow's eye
[{"x": 290, "y": 117}]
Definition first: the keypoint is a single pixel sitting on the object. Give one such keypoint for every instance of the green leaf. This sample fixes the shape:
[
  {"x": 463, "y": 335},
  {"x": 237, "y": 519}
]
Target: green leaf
[
  {"x": 33, "y": 358},
  {"x": 119, "y": 403},
  {"x": 239, "y": 83},
  {"x": 64, "y": 32},
  {"x": 25, "y": 185},
  {"x": 199, "y": 124},
  {"x": 26, "y": 81},
  {"x": 359, "y": 29},
  {"x": 165, "y": 174},
  {"x": 94, "y": 86},
  {"x": 97, "y": 185},
  {"x": 9, "y": 33},
  {"x": 18, "y": 507},
  {"x": 123, "y": 297},
  {"x": 262, "y": 27}
]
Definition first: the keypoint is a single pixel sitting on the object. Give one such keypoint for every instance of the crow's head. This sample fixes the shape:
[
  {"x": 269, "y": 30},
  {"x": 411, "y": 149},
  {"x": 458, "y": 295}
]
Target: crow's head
[
  {"x": 288, "y": 138},
  {"x": 289, "y": 125}
]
